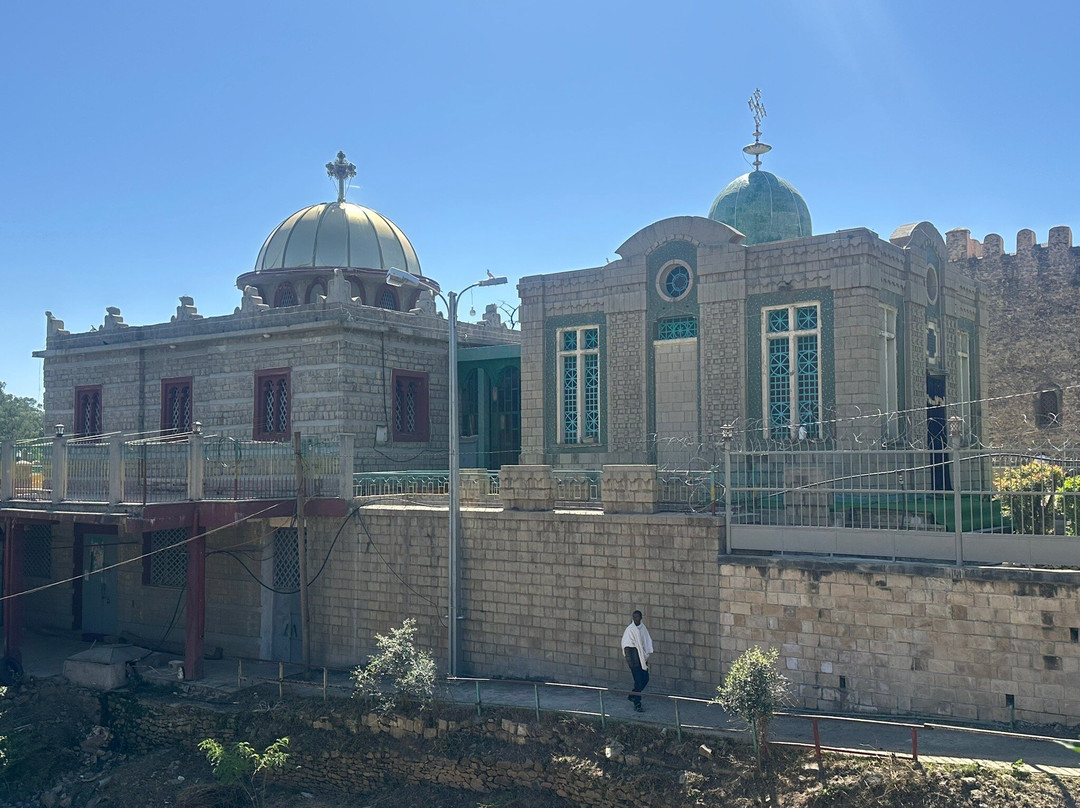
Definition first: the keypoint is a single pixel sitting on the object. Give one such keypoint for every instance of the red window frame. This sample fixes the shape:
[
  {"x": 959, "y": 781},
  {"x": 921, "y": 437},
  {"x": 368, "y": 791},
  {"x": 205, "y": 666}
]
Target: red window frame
[
  {"x": 410, "y": 387},
  {"x": 280, "y": 384},
  {"x": 88, "y": 413},
  {"x": 170, "y": 390}
]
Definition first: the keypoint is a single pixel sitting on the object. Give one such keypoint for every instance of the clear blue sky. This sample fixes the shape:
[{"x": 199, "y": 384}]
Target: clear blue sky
[{"x": 147, "y": 149}]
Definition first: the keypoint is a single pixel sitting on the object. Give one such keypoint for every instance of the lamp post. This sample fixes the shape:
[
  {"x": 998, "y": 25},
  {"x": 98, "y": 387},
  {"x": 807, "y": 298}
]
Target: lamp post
[{"x": 398, "y": 278}]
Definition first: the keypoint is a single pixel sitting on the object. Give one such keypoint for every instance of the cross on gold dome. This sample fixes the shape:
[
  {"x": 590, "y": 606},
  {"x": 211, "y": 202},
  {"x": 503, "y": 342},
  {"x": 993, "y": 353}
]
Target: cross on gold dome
[
  {"x": 757, "y": 148},
  {"x": 341, "y": 170}
]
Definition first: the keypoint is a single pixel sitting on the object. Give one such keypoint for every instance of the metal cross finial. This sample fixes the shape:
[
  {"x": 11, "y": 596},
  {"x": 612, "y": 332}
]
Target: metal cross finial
[
  {"x": 757, "y": 148},
  {"x": 341, "y": 170}
]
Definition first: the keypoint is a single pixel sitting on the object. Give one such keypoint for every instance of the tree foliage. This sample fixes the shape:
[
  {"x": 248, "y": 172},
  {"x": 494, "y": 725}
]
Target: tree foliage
[
  {"x": 400, "y": 672},
  {"x": 244, "y": 766},
  {"x": 753, "y": 689},
  {"x": 20, "y": 416},
  {"x": 1028, "y": 495}
]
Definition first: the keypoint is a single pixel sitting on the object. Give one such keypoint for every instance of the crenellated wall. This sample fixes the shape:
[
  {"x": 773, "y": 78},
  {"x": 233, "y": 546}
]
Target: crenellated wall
[{"x": 1032, "y": 347}]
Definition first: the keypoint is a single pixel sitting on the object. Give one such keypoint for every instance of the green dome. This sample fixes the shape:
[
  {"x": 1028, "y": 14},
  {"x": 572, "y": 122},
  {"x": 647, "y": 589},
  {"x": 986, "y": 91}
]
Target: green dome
[{"x": 762, "y": 207}]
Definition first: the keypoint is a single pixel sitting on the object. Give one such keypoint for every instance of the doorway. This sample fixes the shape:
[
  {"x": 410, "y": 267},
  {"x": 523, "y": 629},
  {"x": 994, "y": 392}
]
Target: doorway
[{"x": 98, "y": 601}]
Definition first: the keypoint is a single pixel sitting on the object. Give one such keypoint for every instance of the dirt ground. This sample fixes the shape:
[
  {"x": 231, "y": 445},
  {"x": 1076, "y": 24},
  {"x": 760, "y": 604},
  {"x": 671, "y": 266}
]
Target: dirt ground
[{"x": 57, "y": 755}]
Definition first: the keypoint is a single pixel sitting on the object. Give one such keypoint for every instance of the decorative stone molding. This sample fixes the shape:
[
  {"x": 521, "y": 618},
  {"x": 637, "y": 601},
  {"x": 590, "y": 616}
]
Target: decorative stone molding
[
  {"x": 628, "y": 489},
  {"x": 476, "y": 486},
  {"x": 54, "y": 327},
  {"x": 186, "y": 310},
  {"x": 113, "y": 319},
  {"x": 527, "y": 488},
  {"x": 338, "y": 290},
  {"x": 251, "y": 303}
]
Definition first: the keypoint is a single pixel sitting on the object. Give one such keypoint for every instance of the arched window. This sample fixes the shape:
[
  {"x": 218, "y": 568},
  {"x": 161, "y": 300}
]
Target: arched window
[
  {"x": 285, "y": 296},
  {"x": 317, "y": 287},
  {"x": 388, "y": 300},
  {"x": 506, "y": 418},
  {"x": 470, "y": 415},
  {"x": 357, "y": 291},
  {"x": 1048, "y": 408}
]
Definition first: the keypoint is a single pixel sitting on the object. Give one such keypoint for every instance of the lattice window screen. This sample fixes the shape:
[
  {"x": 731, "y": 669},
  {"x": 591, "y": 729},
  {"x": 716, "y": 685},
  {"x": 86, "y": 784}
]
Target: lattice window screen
[
  {"x": 37, "y": 551},
  {"x": 168, "y": 564},
  {"x": 286, "y": 560}
]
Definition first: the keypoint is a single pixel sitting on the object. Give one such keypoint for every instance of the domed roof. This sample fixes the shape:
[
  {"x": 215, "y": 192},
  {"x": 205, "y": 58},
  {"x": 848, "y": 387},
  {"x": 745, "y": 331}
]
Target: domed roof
[
  {"x": 763, "y": 207},
  {"x": 337, "y": 234}
]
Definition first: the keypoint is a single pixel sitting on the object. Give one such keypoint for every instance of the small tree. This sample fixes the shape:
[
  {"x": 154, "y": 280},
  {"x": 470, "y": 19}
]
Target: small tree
[
  {"x": 752, "y": 690},
  {"x": 409, "y": 671},
  {"x": 1028, "y": 495},
  {"x": 241, "y": 765}
]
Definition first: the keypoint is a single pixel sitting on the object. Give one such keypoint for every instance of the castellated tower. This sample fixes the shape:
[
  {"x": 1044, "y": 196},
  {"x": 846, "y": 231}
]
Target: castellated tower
[{"x": 1031, "y": 353}]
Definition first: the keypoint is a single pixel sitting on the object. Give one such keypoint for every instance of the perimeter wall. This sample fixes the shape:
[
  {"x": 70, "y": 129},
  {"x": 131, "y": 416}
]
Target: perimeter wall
[{"x": 547, "y": 595}]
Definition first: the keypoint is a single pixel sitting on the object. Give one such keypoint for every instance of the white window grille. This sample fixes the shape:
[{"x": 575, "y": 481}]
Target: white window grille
[
  {"x": 286, "y": 560},
  {"x": 579, "y": 384},
  {"x": 168, "y": 559},
  {"x": 791, "y": 371}
]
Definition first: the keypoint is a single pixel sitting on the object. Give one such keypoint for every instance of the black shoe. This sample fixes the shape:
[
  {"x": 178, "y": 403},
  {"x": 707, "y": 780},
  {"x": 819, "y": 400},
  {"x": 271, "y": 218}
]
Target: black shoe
[{"x": 638, "y": 708}]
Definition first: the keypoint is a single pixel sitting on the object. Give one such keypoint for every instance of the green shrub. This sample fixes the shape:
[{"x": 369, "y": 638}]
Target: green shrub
[
  {"x": 241, "y": 765},
  {"x": 400, "y": 672},
  {"x": 753, "y": 689},
  {"x": 1028, "y": 495}
]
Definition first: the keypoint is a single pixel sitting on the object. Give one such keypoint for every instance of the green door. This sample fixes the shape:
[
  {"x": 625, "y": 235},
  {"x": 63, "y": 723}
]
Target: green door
[{"x": 99, "y": 584}]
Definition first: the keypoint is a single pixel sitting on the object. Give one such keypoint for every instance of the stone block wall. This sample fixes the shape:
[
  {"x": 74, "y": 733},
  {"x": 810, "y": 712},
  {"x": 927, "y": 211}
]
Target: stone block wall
[
  {"x": 1031, "y": 298},
  {"x": 910, "y": 639},
  {"x": 543, "y": 594}
]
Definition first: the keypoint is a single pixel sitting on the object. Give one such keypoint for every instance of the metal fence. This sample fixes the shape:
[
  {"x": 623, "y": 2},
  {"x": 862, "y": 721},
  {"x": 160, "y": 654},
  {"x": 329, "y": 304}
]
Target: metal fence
[
  {"x": 160, "y": 469},
  {"x": 156, "y": 470},
  {"x": 400, "y": 483},
  {"x": 88, "y": 470},
  {"x": 910, "y": 489},
  {"x": 236, "y": 469},
  {"x": 31, "y": 473}
]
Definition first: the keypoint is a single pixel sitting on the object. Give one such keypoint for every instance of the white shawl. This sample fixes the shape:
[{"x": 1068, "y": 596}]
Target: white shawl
[{"x": 638, "y": 637}]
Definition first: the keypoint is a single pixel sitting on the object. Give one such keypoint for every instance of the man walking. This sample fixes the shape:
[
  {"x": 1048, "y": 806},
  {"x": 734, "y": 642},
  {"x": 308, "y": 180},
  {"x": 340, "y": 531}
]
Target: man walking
[{"x": 637, "y": 646}]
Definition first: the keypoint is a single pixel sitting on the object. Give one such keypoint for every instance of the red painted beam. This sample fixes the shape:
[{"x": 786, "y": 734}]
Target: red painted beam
[
  {"x": 195, "y": 624},
  {"x": 13, "y": 585}
]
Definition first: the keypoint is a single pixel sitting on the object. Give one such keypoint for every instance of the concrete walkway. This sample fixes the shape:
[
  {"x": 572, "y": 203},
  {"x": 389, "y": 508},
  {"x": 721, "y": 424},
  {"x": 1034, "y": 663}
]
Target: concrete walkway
[{"x": 44, "y": 655}]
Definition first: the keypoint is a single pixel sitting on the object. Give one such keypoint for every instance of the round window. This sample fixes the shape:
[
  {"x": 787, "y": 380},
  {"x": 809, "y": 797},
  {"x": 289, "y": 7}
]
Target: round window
[
  {"x": 931, "y": 284},
  {"x": 674, "y": 281}
]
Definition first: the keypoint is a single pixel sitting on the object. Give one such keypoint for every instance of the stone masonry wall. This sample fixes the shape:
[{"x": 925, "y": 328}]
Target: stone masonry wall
[
  {"x": 341, "y": 747},
  {"x": 544, "y": 594},
  {"x": 895, "y": 638},
  {"x": 1032, "y": 300}
]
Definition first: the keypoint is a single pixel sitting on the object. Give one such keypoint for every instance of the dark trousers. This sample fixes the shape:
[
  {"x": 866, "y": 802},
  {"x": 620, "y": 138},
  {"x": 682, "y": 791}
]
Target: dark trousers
[{"x": 640, "y": 674}]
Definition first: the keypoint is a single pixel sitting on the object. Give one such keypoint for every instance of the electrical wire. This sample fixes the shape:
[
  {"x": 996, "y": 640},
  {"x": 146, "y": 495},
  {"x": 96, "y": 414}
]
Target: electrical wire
[
  {"x": 118, "y": 564},
  {"x": 389, "y": 566}
]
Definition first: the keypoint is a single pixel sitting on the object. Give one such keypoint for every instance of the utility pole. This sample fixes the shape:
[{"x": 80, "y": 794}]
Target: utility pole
[{"x": 301, "y": 550}]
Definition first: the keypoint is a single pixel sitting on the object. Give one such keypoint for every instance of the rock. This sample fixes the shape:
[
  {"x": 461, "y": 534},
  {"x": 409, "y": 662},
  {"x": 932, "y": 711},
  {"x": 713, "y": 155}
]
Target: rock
[
  {"x": 704, "y": 751},
  {"x": 632, "y": 760},
  {"x": 613, "y": 751},
  {"x": 307, "y": 795}
]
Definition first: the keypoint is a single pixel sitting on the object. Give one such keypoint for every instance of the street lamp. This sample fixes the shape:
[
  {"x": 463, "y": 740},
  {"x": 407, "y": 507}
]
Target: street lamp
[{"x": 398, "y": 278}]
